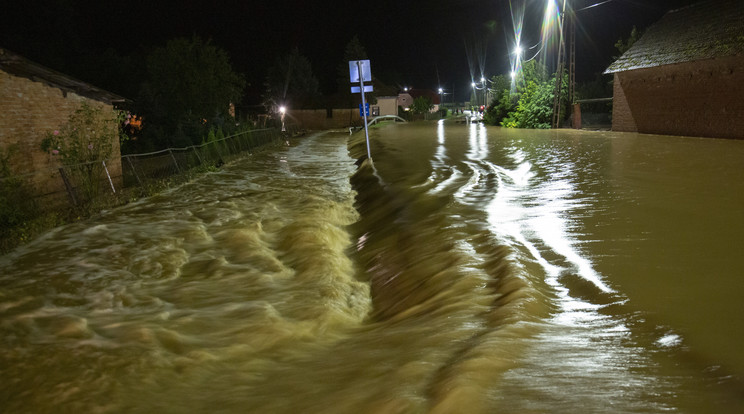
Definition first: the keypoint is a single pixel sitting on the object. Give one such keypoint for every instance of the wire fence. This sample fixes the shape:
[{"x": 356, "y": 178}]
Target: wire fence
[
  {"x": 86, "y": 183},
  {"x": 137, "y": 169}
]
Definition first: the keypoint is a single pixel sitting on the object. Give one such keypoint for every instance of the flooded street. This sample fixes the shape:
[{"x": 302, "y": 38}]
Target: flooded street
[{"x": 472, "y": 269}]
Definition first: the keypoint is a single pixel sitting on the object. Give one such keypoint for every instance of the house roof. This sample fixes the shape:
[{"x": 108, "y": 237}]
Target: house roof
[
  {"x": 428, "y": 93},
  {"x": 19, "y": 66},
  {"x": 705, "y": 30}
]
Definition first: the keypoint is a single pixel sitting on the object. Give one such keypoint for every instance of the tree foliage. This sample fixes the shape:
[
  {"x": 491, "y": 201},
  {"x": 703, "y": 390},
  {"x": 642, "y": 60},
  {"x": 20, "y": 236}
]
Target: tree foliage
[
  {"x": 529, "y": 102},
  {"x": 354, "y": 51},
  {"x": 82, "y": 144},
  {"x": 17, "y": 204},
  {"x": 421, "y": 105},
  {"x": 623, "y": 46},
  {"x": 291, "y": 82},
  {"x": 190, "y": 85}
]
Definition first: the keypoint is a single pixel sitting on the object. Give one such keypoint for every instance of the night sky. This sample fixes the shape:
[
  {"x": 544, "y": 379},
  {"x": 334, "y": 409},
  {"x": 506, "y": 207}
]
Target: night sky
[{"x": 420, "y": 44}]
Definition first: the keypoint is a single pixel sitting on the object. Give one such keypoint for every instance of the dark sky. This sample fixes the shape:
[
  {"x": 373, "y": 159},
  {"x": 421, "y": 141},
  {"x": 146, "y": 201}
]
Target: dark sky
[{"x": 409, "y": 43}]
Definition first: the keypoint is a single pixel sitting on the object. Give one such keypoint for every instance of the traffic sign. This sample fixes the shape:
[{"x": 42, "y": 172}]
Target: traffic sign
[
  {"x": 362, "y": 66},
  {"x": 357, "y": 89}
]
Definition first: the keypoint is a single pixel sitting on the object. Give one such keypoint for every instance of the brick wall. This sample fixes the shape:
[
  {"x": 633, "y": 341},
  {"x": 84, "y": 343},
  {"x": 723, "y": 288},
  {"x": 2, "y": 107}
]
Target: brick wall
[
  {"x": 28, "y": 111},
  {"x": 703, "y": 98}
]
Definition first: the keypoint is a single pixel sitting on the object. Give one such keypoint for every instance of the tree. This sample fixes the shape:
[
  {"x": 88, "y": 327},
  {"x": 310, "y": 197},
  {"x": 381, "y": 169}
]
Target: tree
[
  {"x": 291, "y": 82},
  {"x": 353, "y": 51},
  {"x": 421, "y": 105},
  {"x": 190, "y": 85},
  {"x": 623, "y": 46},
  {"x": 529, "y": 102},
  {"x": 535, "y": 106}
]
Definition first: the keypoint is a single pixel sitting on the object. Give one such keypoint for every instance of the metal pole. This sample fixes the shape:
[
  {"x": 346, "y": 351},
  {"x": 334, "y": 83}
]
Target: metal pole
[
  {"x": 559, "y": 70},
  {"x": 364, "y": 108},
  {"x": 109, "y": 176},
  {"x": 68, "y": 186},
  {"x": 134, "y": 170},
  {"x": 174, "y": 160}
]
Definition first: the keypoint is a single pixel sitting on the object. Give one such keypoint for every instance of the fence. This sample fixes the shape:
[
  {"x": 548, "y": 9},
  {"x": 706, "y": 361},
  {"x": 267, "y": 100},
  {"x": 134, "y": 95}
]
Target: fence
[
  {"x": 80, "y": 184},
  {"x": 137, "y": 169},
  {"x": 593, "y": 113}
]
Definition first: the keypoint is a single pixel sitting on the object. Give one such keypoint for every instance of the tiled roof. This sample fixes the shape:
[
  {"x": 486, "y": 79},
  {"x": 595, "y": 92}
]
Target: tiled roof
[
  {"x": 19, "y": 66},
  {"x": 705, "y": 30},
  {"x": 428, "y": 93}
]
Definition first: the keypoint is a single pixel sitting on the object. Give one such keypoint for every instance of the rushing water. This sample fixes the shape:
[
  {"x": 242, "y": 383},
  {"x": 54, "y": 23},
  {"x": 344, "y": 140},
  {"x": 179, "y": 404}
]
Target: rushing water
[{"x": 470, "y": 270}]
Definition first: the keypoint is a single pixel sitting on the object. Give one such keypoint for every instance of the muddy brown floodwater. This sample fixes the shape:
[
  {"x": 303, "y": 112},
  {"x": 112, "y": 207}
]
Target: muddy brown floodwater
[{"x": 472, "y": 269}]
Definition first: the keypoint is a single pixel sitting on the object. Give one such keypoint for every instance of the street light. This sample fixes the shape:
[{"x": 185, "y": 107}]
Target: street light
[{"x": 283, "y": 111}]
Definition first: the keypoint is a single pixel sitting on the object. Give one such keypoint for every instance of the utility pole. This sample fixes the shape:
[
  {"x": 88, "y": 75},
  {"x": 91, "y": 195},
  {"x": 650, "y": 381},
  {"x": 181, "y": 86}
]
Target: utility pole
[
  {"x": 559, "y": 70},
  {"x": 572, "y": 58}
]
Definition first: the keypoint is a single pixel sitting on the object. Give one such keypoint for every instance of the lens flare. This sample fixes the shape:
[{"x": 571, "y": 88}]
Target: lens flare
[
  {"x": 517, "y": 16},
  {"x": 550, "y": 33}
]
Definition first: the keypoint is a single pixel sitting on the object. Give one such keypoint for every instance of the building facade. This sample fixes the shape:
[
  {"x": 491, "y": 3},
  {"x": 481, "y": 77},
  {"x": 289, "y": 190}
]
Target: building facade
[
  {"x": 685, "y": 75},
  {"x": 35, "y": 101}
]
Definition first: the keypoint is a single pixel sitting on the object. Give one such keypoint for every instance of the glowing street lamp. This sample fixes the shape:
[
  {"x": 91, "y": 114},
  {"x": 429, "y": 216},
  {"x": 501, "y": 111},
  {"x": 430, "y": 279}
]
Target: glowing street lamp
[{"x": 283, "y": 111}]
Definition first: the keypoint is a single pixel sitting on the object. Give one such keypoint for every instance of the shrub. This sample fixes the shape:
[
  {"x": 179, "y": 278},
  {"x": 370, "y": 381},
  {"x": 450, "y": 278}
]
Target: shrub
[
  {"x": 83, "y": 143},
  {"x": 17, "y": 203}
]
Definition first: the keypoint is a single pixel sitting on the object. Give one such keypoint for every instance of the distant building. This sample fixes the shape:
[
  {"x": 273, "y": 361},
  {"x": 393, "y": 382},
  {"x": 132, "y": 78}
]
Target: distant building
[
  {"x": 386, "y": 105},
  {"x": 406, "y": 98},
  {"x": 35, "y": 100},
  {"x": 685, "y": 75}
]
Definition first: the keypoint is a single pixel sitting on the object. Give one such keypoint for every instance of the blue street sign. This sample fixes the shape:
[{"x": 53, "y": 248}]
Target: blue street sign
[{"x": 366, "y": 109}]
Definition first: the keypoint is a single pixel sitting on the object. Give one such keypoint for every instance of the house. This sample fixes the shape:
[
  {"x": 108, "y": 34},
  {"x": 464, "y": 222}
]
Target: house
[
  {"x": 685, "y": 75},
  {"x": 35, "y": 100},
  {"x": 406, "y": 98},
  {"x": 386, "y": 105}
]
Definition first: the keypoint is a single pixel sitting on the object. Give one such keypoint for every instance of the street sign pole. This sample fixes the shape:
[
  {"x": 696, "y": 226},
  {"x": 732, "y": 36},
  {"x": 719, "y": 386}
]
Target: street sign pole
[{"x": 364, "y": 108}]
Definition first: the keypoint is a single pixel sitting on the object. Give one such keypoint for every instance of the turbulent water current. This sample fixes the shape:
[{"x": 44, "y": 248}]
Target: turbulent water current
[{"x": 469, "y": 269}]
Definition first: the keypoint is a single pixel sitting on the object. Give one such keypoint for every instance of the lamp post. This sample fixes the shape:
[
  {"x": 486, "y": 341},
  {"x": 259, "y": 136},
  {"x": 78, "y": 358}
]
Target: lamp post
[{"x": 283, "y": 111}]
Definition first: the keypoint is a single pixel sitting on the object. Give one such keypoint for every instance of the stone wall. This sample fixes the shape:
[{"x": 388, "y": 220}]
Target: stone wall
[
  {"x": 28, "y": 111},
  {"x": 703, "y": 98}
]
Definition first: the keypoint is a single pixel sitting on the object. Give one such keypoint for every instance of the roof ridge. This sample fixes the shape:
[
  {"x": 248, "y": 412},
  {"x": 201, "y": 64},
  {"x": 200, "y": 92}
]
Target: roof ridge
[{"x": 704, "y": 30}]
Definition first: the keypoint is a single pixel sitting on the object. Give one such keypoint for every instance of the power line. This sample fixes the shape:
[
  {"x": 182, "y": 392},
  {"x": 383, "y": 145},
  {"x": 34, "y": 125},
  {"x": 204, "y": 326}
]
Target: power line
[{"x": 593, "y": 5}]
